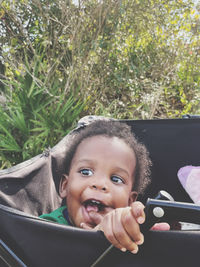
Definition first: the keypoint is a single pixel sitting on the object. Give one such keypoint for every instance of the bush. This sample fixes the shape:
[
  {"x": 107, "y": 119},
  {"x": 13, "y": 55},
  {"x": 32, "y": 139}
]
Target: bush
[{"x": 61, "y": 60}]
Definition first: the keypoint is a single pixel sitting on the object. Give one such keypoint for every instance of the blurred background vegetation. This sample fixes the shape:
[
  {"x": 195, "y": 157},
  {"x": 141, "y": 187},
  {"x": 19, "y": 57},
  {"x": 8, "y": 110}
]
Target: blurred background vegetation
[{"x": 61, "y": 60}]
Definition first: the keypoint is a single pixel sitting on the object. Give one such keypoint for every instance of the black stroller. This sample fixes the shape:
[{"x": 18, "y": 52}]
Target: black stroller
[{"x": 31, "y": 188}]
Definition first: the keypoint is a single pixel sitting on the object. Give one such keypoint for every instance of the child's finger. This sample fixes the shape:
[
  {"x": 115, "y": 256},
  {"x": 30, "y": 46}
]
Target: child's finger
[
  {"x": 124, "y": 239},
  {"x": 132, "y": 227},
  {"x": 137, "y": 209},
  {"x": 115, "y": 236},
  {"x": 161, "y": 227},
  {"x": 107, "y": 227}
]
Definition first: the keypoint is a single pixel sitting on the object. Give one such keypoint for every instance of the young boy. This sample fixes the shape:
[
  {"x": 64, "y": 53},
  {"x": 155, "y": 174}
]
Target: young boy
[{"x": 106, "y": 168}]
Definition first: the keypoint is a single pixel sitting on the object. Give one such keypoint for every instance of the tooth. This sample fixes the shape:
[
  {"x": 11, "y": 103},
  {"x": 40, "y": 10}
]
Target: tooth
[{"x": 95, "y": 202}]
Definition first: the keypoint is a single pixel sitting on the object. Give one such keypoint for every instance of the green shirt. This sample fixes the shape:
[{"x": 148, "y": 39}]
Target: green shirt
[{"x": 59, "y": 215}]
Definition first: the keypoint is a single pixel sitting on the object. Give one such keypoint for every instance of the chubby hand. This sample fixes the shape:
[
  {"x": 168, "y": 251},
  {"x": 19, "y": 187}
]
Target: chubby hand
[{"x": 121, "y": 226}]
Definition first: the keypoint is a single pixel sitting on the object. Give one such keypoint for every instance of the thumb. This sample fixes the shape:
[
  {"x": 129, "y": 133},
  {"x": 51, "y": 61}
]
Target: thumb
[{"x": 85, "y": 226}]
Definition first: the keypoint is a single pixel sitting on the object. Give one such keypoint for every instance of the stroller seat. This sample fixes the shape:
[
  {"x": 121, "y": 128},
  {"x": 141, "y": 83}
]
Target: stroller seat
[{"x": 31, "y": 188}]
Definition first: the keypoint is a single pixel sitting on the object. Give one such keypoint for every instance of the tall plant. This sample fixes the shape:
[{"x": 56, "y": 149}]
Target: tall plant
[{"x": 34, "y": 116}]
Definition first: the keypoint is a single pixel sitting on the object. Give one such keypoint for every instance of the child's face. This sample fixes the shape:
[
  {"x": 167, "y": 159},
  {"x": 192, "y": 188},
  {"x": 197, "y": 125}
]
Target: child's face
[{"x": 100, "y": 179}]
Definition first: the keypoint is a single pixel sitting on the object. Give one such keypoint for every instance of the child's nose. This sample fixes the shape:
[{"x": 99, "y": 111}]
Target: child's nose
[
  {"x": 99, "y": 184},
  {"x": 103, "y": 188}
]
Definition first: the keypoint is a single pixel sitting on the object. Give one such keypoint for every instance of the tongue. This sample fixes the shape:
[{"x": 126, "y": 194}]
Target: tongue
[
  {"x": 95, "y": 217},
  {"x": 92, "y": 208}
]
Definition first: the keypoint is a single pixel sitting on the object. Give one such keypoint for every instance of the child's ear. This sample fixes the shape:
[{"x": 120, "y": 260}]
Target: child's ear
[
  {"x": 63, "y": 186},
  {"x": 132, "y": 197}
]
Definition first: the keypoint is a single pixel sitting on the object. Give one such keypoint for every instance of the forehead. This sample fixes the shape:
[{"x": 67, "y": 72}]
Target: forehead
[{"x": 97, "y": 143}]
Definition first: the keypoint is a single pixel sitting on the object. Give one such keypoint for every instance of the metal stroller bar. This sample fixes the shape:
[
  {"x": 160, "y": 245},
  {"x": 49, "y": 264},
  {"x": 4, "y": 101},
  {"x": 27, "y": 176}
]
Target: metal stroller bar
[{"x": 9, "y": 257}]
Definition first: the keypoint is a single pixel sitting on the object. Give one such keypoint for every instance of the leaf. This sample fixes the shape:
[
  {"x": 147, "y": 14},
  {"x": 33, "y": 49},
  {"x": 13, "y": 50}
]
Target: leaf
[{"x": 7, "y": 141}]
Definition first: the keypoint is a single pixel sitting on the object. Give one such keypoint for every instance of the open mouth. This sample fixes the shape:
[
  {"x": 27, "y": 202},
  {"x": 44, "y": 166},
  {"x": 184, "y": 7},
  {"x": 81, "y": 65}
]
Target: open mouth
[{"x": 94, "y": 205}]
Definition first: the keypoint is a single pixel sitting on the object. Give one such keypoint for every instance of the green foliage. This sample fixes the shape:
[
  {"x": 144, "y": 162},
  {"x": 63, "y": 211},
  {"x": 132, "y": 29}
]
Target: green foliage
[
  {"x": 33, "y": 117},
  {"x": 60, "y": 61}
]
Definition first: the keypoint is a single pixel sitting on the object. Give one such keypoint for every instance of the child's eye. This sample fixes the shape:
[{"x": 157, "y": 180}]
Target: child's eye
[
  {"x": 86, "y": 172},
  {"x": 117, "y": 179}
]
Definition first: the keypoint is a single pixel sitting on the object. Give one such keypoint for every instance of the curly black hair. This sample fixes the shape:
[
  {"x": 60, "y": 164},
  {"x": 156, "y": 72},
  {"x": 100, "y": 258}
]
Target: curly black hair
[{"x": 114, "y": 128}]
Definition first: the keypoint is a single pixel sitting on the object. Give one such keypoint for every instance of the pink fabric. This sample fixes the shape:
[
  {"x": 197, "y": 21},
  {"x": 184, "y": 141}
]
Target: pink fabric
[{"x": 189, "y": 177}]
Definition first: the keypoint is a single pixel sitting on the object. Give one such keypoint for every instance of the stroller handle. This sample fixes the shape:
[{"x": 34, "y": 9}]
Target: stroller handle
[{"x": 170, "y": 211}]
